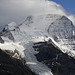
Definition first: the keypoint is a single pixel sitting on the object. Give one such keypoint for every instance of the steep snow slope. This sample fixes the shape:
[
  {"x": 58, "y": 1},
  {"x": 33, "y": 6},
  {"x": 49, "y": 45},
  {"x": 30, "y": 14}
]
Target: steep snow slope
[
  {"x": 39, "y": 28},
  {"x": 63, "y": 33},
  {"x": 62, "y": 29},
  {"x": 32, "y": 27},
  {"x": 37, "y": 25}
]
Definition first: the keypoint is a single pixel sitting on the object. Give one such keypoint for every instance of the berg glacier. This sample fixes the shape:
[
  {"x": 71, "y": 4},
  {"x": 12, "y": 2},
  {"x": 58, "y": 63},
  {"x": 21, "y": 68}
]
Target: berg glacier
[{"x": 38, "y": 28}]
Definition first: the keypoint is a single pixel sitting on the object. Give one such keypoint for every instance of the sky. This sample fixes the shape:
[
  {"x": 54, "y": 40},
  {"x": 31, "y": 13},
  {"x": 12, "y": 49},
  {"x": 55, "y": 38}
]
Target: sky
[
  {"x": 68, "y": 5},
  {"x": 18, "y": 10}
]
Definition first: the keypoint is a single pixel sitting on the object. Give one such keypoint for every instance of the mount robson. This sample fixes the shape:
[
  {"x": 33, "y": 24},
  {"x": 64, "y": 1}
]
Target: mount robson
[{"x": 43, "y": 44}]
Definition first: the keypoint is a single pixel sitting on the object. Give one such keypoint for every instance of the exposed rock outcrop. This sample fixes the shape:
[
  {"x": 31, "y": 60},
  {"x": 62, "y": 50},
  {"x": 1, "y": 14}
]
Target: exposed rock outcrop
[
  {"x": 1, "y": 40},
  {"x": 60, "y": 63},
  {"x": 12, "y": 66}
]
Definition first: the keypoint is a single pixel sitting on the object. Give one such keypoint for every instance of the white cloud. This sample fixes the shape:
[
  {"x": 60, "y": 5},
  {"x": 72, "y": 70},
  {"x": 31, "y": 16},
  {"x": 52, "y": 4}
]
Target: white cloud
[{"x": 17, "y": 10}]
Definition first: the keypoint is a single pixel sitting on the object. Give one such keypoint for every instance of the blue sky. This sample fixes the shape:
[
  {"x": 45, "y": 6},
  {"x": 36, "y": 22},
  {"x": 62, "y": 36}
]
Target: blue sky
[{"x": 68, "y": 5}]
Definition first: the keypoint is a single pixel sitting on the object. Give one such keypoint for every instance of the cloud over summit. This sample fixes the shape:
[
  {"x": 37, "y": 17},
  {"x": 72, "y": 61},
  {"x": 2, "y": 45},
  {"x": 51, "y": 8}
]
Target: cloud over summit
[
  {"x": 38, "y": 6},
  {"x": 17, "y": 10}
]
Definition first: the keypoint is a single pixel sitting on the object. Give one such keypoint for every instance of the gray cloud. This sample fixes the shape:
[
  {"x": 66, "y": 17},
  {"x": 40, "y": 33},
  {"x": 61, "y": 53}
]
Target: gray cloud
[{"x": 17, "y": 10}]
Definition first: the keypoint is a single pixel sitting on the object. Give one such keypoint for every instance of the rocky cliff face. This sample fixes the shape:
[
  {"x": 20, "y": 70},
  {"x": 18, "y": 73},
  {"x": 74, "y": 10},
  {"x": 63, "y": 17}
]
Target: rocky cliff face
[
  {"x": 60, "y": 63},
  {"x": 1, "y": 40},
  {"x": 12, "y": 66}
]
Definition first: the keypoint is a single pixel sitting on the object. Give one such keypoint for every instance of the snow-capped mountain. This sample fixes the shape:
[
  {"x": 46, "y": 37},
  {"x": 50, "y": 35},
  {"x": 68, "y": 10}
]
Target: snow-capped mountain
[{"x": 39, "y": 28}]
